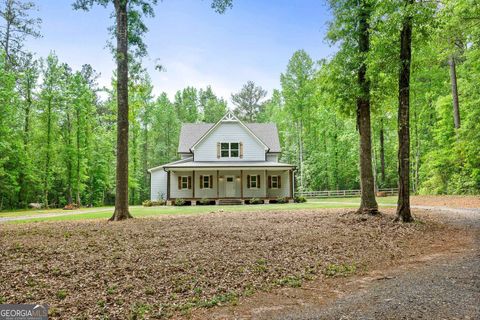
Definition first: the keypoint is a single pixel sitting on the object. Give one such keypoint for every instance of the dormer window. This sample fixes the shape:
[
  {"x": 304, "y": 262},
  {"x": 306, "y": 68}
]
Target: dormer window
[{"x": 230, "y": 149}]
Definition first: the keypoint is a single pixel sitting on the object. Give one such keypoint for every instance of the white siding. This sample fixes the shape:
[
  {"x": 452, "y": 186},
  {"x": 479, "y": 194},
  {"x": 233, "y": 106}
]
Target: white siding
[
  {"x": 174, "y": 191},
  {"x": 205, "y": 192},
  {"x": 254, "y": 193},
  {"x": 158, "y": 184},
  {"x": 284, "y": 190},
  {"x": 206, "y": 150},
  {"x": 273, "y": 157}
]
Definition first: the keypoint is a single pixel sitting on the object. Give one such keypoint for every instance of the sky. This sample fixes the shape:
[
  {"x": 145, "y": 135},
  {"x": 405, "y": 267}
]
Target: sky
[{"x": 198, "y": 47}]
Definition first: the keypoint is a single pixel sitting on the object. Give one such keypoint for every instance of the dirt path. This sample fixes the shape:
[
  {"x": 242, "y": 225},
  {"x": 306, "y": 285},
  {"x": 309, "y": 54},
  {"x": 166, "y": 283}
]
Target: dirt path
[
  {"x": 56, "y": 214},
  {"x": 438, "y": 286}
]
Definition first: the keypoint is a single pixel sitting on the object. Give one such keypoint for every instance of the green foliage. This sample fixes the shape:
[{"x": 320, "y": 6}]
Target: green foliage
[
  {"x": 299, "y": 199},
  {"x": 180, "y": 202},
  {"x": 248, "y": 102},
  {"x": 340, "y": 270},
  {"x": 254, "y": 201}
]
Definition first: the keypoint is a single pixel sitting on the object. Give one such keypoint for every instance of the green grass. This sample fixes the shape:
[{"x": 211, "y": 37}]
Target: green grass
[
  {"x": 137, "y": 211},
  {"x": 34, "y": 212}
]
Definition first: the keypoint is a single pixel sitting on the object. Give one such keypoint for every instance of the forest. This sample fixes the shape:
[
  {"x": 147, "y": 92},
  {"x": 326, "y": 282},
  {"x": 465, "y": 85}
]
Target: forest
[{"x": 58, "y": 136}]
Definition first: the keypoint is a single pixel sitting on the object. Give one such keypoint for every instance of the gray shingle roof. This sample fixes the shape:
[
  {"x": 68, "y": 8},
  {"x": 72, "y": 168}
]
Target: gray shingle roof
[{"x": 190, "y": 133}]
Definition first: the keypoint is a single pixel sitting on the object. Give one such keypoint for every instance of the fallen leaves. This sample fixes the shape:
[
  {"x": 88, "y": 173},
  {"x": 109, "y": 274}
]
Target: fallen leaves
[{"x": 156, "y": 267}]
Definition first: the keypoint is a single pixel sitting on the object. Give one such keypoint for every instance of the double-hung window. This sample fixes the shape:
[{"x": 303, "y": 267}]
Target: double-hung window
[
  {"x": 184, "y": 182},
  {"x": 229, "y": 149},
  {"x": 206, "y": 182},
  {"x": 274, "y": 182},
  {"x": 253, "y": 182}
]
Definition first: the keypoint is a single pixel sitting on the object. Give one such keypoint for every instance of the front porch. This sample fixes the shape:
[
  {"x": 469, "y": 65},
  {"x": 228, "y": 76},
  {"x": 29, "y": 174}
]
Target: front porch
[{"x": 193, "y": 185}]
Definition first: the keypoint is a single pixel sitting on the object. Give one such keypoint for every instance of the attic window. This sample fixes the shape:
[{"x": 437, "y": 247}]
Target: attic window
[{"x": 229, "y": 149}]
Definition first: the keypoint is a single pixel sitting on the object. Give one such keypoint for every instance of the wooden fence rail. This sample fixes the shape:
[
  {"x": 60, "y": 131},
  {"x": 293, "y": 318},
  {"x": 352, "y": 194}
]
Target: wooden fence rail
[{"x": 343, "y": 193}]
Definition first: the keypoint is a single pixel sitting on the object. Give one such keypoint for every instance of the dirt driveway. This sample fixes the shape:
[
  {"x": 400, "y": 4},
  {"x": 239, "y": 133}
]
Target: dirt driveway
[{"x": 443, "y": 285}]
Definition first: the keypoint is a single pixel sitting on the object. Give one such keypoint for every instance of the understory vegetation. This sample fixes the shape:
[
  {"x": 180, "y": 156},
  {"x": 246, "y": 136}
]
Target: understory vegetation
[{"x": 57, "y": 137}]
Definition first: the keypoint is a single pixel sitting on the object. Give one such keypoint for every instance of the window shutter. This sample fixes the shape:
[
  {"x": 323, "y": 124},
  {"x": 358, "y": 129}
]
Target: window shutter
[
  {"x": 279, "y": 182},
  {"x": 201, "y": 182},
  {"x": 269, "y": 182},
  {"x": 211, "y": 182},
  {"x": 189, "y": 182},
  {"x": 179, "y": 183},
  {"x": 258, "y": 181},
  {"x": 241, "y": 150},
  {"x": 248, "y": 181},
  {"x": 218, "y": 150}
]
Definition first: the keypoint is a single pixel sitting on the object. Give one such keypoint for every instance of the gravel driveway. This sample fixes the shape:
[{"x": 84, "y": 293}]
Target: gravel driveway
[{"x": 442, "y": 288}]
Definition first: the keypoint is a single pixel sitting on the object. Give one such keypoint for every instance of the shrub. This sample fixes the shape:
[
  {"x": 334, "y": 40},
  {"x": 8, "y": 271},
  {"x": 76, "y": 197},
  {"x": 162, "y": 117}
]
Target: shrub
[
  {"x": 299, "y": 199},
  {"x": 147, "y": 203},
  {"x": 150, "y": 203},
  {"x": 205, "y": 201},
  {"x": 282, "y": 200},
  {"x": 254, "y": 201},
  {"x": 179, "y": 202},
  {"x": 159, "y": 202}
]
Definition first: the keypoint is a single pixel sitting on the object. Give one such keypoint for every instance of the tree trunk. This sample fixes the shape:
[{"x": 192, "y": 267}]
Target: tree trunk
[
  {"x": 453, "y": 80},
  {"x": 121, "y": 196},
  {"x": 382, "y": 153},
  {"x": 47, "y": 160},
  {"x": 367, "y": 184},
  {"x": 403, "y": 204},
  {"x": 77, "y": 174},
  {"x": 22, "y": 197}
]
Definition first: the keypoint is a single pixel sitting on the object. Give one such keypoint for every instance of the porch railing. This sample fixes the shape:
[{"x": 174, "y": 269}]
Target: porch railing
[{"x": 343, "y": 193}]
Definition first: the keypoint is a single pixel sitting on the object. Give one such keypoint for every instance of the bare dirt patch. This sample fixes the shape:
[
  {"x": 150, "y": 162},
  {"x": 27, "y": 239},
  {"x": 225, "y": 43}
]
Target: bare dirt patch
[
  {"x": 159, "y": 267},
  {"x": 447, "y": 201}
]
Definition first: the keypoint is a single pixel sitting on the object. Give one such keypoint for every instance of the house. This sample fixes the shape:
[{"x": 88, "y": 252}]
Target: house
[{"x": 227, "y": 162}]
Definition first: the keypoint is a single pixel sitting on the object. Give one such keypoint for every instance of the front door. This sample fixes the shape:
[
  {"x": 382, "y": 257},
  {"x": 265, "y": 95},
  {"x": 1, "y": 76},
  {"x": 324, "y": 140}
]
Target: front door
[{"x": 229, "y": 186}]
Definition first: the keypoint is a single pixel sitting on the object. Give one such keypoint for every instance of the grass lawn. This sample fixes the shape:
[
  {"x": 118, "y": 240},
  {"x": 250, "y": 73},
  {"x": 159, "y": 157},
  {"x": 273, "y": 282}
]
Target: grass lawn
[{"x": 138, "y": 211}]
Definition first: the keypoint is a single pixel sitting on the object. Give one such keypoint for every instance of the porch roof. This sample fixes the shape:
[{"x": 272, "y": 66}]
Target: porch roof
[{"x": 228, "y": 165}]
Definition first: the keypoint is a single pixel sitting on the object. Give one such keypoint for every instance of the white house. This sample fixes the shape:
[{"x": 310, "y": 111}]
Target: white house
[{"x": 229, "y": 161}]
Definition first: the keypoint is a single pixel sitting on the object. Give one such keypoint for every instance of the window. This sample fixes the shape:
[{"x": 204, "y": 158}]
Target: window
[
  {"x": 225, "y": 150},
  {"x": 184, "y": 182},
  {"x": 229, "y": 149},
  {"x": 229, "y": 179},
  {"x": 206, "y": 182},
  {"x": 253, "y": 182},
  {"x": 274, "y": 182}
]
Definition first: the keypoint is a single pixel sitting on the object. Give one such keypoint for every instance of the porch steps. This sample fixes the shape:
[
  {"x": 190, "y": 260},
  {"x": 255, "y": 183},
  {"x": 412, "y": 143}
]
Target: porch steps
[{"x": 228, "y": 202}]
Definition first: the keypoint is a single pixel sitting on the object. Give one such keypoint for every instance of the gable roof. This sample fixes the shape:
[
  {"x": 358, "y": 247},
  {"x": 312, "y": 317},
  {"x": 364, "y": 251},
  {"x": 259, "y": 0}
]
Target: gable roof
[{"x": 191, "y": 133}]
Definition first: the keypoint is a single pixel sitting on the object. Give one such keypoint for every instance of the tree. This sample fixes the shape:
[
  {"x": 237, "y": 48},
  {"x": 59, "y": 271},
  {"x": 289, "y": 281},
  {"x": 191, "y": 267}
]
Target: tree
[
  {"x": 17, "y": 26},
  {"x": 125, "y": 15},
  {"x": 368, "y": 203},
  {"x": 298, "y": 93},
  {"x": 248, "y": 102},
  {"x": 403, "y": 204},
  {"x": 213, "y": 108}
]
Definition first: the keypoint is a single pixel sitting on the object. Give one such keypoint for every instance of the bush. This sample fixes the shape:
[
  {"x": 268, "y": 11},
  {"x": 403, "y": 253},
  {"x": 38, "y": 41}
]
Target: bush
[
  {"x": 255, "y": 201},
  {"x": 205, "y": 201},
  {"x": 150, "y": 203},
  {"x": 159, "y": 202},
  {"x": 147, "y": 203},
  {"x": 179, "y": 202},
  {"x": 282, "y": 200},
  {"x": 299, "y": 199}
]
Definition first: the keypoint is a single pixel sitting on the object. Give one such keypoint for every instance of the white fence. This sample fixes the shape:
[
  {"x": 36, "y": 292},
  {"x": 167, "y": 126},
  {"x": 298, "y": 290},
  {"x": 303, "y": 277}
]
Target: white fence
[{"x": 343, "y": 193}]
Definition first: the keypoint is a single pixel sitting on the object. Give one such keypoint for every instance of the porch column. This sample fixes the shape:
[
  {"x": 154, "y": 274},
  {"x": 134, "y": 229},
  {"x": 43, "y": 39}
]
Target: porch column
[
  {"x": 218, "y": 185},
  {"x": 241, "y": 184},
  {"x": 290, "y": 177},
  {"x": 168, "y": 185},
  {"x": 193, "y": 184}
]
